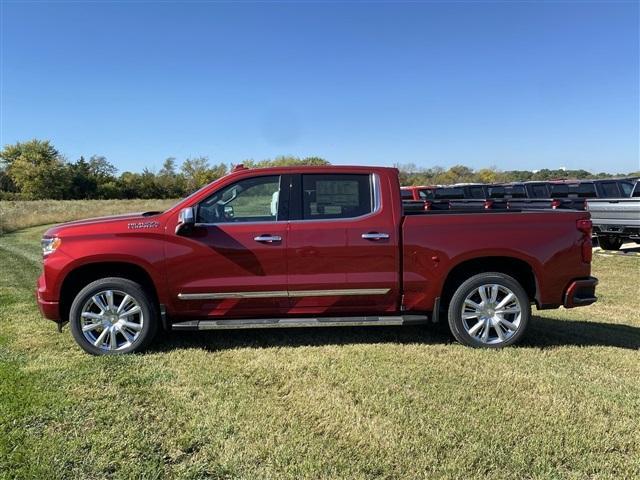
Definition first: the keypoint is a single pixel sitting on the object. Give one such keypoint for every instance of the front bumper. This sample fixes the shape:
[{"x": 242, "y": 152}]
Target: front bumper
[
  {"x": 49, "y": 309},
  {"x": 580, "y": 293}
]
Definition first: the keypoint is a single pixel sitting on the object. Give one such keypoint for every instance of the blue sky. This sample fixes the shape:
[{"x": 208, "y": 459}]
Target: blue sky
[{"x": 513, "y": 85}]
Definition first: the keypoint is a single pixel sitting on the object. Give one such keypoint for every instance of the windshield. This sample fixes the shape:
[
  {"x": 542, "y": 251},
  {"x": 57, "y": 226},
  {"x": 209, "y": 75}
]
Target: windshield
[{"x": 191, "y": 195}]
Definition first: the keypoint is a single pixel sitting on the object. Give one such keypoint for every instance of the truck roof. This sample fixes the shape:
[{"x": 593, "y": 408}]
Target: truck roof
[{"x": 314, "y": 168}]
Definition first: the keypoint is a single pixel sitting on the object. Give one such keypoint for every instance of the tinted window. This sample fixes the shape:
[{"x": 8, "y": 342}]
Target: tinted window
[
  {"x": 627, "y": 188},
  {"x": 250, "y": 200},
  {"x": 476, "y": 192},
  {"x": 336, "y": 196},
  {"x": 538, "y": 191},
  {"x": 449, "y": 193},
  {"x": 636, "y": 190},
  {"x": 426, "y": 194},
  {"x": 609, "y": 190},
  {"x": 516, "y": 191},
  {"x": 559, "y": 191},
  {"x": 583, "y": 190},
  {"x": 497, "y": 192},
  {"x": 406, "y": 194}
]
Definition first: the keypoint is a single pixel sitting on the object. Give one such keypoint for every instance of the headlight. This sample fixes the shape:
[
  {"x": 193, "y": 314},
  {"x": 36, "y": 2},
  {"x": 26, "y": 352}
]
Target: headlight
[{"x": 50, "y": 244}]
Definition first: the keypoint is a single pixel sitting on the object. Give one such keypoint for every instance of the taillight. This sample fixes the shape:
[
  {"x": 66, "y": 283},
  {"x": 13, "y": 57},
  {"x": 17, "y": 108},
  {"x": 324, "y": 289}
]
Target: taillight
[
  {"x": 427, "y": 205},
  {"x": 488, "y": 204},
  {"x": 555, "y": 203},
  {"x": 584, "y": 225}
]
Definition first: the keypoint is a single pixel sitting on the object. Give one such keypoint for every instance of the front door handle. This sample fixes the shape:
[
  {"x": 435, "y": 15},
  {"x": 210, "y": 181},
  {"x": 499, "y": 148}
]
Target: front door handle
[
  {"x": 268, "y": 238},
  {"x": 375, "y": 236}
]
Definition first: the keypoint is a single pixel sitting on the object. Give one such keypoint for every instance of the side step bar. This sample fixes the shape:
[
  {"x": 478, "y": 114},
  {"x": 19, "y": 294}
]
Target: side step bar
[{"x": 300, "y": 322}]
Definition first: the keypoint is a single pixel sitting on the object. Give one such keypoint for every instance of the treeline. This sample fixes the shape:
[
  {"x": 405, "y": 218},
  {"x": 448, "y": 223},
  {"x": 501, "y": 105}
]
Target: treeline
[
  {"x": 35, "y": 170},
  {"x": 412, "y": 175}
]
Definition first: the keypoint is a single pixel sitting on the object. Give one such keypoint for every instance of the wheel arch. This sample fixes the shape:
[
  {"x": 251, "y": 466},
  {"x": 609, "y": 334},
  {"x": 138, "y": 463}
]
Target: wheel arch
[
  {"x": 519, "y": 269},
  {"x": 81, "y": 276}
]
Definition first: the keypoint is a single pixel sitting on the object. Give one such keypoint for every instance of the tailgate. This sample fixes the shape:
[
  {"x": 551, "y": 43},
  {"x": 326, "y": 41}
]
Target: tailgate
[{"x": 619, "y": 211}]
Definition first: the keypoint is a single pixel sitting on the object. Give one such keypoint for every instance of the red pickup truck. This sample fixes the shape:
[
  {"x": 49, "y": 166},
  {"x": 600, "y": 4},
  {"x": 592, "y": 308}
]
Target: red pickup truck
[{"x": 310, "y": 246}]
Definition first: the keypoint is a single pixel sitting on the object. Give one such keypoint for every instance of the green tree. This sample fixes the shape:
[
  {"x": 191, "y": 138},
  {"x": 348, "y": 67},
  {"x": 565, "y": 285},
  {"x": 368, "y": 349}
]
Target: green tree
[
  {"x": 37, "y": 169},
  {"x": 285, "y": 161},
  {"x": 147, "y": 185},
  {"x": 198, "y": 173},
  {"x": 171, "y": 184},
  {"x": 101, "y": 169},
  {"x": 88, "y": 178},
  {"x": 81, "y": 182},
  {"x": 127, "y": 185},
  {"x": 7, "y": 187}
]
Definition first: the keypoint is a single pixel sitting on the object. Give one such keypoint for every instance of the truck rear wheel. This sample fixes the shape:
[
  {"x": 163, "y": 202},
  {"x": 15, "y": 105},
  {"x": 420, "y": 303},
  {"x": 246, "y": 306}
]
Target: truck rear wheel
[
  {"x": 610, "y": 243},
  {"x": 112, "y": 316},
  {"x": 489, "y": 310}
]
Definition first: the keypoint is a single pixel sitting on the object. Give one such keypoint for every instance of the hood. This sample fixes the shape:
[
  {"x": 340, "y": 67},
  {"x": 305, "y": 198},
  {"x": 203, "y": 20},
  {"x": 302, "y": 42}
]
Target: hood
[{"x": 114, "y": 223}]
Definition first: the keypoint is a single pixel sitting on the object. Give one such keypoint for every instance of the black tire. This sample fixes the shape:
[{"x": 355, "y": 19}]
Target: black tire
[
  {"x": 148, "y": 312},
  {"x": 473, "y": 284},
  {"x": 610, "y": 243}
]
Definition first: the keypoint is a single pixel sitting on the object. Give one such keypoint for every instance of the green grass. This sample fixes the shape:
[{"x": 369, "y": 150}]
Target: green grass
[{"x": 332, "y": 403}]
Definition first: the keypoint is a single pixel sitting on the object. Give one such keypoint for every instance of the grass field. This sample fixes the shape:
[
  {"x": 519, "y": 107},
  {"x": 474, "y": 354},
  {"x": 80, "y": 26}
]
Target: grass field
[
  {"x": 333, "y": 403},
  {"x": 15, "y": 215}
]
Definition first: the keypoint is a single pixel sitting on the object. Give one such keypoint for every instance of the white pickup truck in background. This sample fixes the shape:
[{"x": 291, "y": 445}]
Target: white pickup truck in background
[{"x": 616, "y": 220}]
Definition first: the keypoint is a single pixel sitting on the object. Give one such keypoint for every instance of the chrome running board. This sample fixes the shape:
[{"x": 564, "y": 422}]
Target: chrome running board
[{"x": 300, "y": 322}]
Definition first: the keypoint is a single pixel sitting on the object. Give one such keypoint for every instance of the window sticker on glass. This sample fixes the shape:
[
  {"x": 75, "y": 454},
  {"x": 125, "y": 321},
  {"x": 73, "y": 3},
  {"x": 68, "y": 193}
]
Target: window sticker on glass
[{"x": 343, "y": 192}]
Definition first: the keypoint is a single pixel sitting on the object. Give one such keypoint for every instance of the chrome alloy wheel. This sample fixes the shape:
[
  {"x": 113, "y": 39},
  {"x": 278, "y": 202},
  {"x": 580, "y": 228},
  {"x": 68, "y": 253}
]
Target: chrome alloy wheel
[
  {"x": 491, "y": 314},
  {"x": 111, "y": 320}
]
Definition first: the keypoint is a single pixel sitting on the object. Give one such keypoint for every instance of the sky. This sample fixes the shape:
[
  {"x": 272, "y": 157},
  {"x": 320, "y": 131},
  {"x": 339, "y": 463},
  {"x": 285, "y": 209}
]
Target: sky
[{"x": 515, "y": 85}]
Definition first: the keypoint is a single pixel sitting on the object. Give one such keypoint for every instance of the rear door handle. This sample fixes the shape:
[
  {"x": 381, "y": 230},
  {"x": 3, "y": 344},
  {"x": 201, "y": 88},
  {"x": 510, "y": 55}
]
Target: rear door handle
[
  {"x": 375, "y": 236},
  {"x": 268, "y": 238}
]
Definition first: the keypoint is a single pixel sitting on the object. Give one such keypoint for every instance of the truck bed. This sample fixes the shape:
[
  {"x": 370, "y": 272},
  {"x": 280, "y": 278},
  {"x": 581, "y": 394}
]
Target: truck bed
[{"x": 435, "y": 242}]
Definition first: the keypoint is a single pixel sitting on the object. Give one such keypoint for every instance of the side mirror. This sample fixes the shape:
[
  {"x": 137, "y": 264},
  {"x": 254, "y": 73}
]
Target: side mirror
[
  {"x": 228, "y": 211},
  {"x": 186, "y": 220}
]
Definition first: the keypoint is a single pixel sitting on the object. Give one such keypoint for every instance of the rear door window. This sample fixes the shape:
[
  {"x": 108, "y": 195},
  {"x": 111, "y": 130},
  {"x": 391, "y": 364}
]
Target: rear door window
[
  {"x": 559, "y": 191},
  {"x": 539, "y": 190},
  {"x": 627, "y": 188},
  {"x": 583, "y": 190},
  {"x": 476, "y": 192},
  {"x": 426, "y": 194},
  {"x": 449, "y": 193},
  {"x": 609, "y": 190},
  {"x": 336, "y": 196},
  {"x": 406, "y": 194},
  {"x": 515, "y": 191}
]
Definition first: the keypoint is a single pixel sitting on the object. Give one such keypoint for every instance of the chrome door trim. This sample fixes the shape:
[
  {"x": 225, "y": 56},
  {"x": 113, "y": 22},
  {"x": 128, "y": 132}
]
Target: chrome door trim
[
  {"x": 284, "y": 293},
  {"x": 221, "y": 296},
  {"x": 341, "y": 292}
]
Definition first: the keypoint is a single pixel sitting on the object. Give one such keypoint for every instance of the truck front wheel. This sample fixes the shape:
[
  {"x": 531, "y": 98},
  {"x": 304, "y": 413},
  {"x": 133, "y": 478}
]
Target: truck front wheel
[
  {"x": 489, "y": 310},
  {"x": 113, "y": 316}
]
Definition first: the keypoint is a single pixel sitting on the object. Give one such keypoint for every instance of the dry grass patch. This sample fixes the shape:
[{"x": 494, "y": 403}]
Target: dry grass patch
[{"x": 15, "y": 215}]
